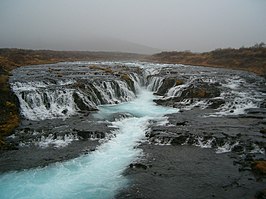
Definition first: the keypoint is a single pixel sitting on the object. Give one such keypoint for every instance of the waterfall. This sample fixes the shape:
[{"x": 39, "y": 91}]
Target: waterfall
[
  {"x": 154, "y": 83},
  {"x": 40, "y": 101},
  {"x": 48, "y": 100}
]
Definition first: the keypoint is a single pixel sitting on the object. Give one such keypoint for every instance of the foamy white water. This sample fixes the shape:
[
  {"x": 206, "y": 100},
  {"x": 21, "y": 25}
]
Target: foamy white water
[{"x": 96, "y": 175}]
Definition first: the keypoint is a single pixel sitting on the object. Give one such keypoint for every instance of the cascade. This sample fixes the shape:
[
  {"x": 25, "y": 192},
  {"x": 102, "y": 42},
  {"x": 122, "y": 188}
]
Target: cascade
[{"x": 57, "y": 99}]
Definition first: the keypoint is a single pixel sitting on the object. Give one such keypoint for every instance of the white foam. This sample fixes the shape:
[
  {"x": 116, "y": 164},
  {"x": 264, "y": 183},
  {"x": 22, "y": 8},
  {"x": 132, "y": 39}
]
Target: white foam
[
  {"x": 233, "y": 83},
  {"x": 154, "y": 83},
  {"x": 204, "y": 143},
  {"x": 56, "y": 142},
  {"x": 227, "y": 147},
  {"x": 257, "y": 149},
  {"x": 34, "y": 105}
]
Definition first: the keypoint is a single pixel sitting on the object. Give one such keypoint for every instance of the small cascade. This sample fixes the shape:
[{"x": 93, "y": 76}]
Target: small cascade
[
  {"x": 154, "y": 83},
  {"x": 113, "y": 92},
  {"x": 138, "y": 81},
  {"x": 56, "y": 98},
  {"x": 38, "y": 103}
]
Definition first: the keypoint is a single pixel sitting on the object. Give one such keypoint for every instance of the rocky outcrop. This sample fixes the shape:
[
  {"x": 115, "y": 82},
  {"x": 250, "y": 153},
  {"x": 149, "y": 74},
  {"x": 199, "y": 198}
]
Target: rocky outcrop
[
  {"x": 261, "y": 194},
  {"x": 197, "y": 90},
  {"x": 86, "y": 134},
  {"x": 167, "y": 84},
  {"x": 81, "y": 104},
  {"x": 201, "y": 90},
  {"x": 216, "y": 103},
  {"x": 139, "y": 166}
]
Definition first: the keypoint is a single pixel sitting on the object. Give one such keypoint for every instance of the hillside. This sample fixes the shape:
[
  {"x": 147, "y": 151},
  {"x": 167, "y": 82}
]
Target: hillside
[{"x": 251, "y": 59}]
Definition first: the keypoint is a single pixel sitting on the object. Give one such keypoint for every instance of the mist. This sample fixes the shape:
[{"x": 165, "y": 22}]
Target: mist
[{"x": 142, "y": 26}]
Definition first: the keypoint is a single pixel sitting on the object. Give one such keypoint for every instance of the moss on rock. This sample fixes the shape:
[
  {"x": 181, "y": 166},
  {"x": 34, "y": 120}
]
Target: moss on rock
[
  {"x": 128, "y": 80},
  {"x": 259, "y": 167},
  {"x": 9, "y": 110}
]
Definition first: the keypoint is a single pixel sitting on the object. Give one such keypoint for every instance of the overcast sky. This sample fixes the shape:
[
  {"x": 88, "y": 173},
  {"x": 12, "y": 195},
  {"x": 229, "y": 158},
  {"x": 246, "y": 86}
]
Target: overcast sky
[{"x": 196, "y": 25}]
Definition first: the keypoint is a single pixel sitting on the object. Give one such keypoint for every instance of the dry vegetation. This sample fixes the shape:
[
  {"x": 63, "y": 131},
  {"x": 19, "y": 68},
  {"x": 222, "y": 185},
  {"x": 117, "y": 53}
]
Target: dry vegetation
[{"x": 251, "y": 59}]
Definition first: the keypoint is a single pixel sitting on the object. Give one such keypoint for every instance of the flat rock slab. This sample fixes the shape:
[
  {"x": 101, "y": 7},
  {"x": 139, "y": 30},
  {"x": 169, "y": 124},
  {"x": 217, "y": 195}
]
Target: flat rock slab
[{"x": 188, "y": 172}]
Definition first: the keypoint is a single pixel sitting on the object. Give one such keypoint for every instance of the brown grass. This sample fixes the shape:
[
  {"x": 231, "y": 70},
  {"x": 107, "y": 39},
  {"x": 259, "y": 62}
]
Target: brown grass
[
  {"x": 251, "y": 59},
  {"x": 259, "y": 167}
]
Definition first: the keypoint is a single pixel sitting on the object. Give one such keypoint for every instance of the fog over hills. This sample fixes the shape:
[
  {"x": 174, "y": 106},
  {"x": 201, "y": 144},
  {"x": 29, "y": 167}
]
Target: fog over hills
[
  {"x": 172, "y": 25},
  {"x": 107, "y": 44}
]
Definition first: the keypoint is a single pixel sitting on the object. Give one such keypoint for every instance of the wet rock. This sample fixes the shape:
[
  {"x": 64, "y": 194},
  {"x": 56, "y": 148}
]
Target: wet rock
[
  {"x": 218, "y": 142},
  {"x": 179, "y": 140},
  {"x": 201, "y": 90},
  {"x": 256, "y": 111},
  {"x": 238, "y": 149},
  {"x": 196, "y": 90},
  {"x": 65, "y": 111},
  {"x": 216, "y": 103},
  {"x": 138, "y": 166},
  {"x": 263, "y": 104},
  {"x": 261, "y": 194},
  {"x": 183, "y": 123},
  {"x": 90, "y": 134},
  {"x": 263, "y": 131},
  {"x": 167, "y": 84},
  {"x": 81, "y": 105}
]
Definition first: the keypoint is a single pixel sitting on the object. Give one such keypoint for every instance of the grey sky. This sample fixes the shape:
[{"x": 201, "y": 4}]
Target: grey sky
[{"x": 197, "y": 25}]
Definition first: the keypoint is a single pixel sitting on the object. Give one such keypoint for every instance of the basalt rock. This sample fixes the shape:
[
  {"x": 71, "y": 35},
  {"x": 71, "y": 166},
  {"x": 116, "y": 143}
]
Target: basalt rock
[
  {"x": 179, "y": 140},
  {"x": 198, "y": 90},
  {"x": 138, "y": 166},
  {"x": 167, "y": 101},
  {"x": 81, "y": 105},
  {"x": 263, "y": 104},
  {"x": 263, "y": 131},
  {"x": 261, "y": 194},
  {"x": 201, "y": 90},
  {"x": 90, "y": 134},
  {"x": 215, "y": 103},
  {"x": 167, "y": 84}
]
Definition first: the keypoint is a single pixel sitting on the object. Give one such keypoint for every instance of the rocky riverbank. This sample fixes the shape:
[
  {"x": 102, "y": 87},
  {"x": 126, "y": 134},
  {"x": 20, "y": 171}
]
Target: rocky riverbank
[{"x": 230, "y": 161}]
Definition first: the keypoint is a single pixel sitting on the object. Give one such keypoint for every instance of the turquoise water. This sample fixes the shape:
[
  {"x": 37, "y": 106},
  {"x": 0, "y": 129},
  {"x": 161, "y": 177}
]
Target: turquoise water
[{"x": 98, "y": 174}]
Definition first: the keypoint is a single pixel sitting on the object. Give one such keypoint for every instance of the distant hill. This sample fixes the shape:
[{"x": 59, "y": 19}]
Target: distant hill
[
  {"x": 91, "y": 43},
  {"x": 11, "y": 58},
  {"x": 115, "y": 45}
]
